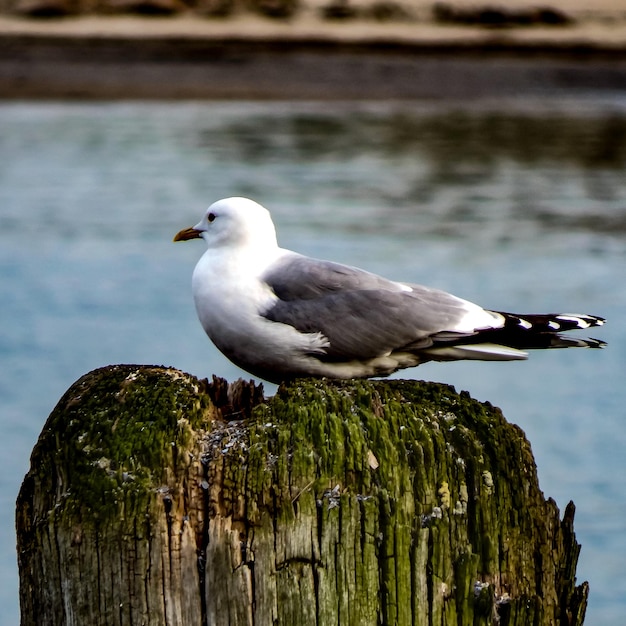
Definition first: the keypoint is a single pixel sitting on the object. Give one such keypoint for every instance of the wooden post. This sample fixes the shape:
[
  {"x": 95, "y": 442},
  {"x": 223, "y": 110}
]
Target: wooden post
[{"x": 156, "y": 498}]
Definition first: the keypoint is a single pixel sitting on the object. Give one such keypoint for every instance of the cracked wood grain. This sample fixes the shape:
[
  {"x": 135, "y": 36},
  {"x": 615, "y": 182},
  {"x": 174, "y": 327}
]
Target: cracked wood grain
[{"x": 156, "y": 498}]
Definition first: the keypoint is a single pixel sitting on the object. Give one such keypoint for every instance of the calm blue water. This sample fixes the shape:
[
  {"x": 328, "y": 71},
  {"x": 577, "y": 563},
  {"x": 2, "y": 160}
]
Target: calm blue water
[{"x": 516, "y": 206}]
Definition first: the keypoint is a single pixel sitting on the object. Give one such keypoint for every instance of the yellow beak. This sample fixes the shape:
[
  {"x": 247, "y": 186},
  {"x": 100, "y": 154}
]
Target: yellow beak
[{"x": 188, "y": 233}]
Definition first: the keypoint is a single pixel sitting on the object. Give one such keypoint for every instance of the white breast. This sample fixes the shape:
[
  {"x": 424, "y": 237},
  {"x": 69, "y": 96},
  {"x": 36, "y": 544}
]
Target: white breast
[{"x": 229, "y": 297}]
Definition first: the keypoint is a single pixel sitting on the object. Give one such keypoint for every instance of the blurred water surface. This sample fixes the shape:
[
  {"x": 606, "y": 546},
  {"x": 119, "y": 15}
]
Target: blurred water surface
[{"x": 517, "y": 205}]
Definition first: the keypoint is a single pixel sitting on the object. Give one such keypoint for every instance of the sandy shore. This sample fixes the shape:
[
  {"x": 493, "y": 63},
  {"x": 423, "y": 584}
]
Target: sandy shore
[{"x": 248, "y": 56}]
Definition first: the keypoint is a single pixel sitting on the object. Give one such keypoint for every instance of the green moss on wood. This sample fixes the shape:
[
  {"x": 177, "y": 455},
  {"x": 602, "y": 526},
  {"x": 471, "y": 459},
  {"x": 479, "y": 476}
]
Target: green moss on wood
[
  {"x": 449, "y": 511},
  {"x": 111, "y": 437},
  {"x": 97, "y": 538},
  {"x": 357, "y": 502}
]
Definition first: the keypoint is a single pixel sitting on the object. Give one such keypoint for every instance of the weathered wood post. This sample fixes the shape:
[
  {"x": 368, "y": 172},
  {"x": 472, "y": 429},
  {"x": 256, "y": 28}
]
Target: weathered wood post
[{"x": 155, "y": 498}]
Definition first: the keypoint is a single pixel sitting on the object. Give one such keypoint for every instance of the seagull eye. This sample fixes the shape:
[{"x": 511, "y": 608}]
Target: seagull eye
[{"x": 211, "y": 217}]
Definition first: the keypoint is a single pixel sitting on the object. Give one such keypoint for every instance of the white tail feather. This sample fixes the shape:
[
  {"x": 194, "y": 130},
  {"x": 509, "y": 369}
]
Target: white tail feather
[{"x": 478, "y": 352}]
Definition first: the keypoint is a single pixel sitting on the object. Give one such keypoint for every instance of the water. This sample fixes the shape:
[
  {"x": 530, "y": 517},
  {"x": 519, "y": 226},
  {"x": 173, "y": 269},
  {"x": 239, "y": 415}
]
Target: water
[{"x": 519, "y": 206}]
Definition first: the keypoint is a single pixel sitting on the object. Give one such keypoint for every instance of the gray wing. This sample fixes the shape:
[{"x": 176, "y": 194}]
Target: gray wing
[
  {"x": 361, "y": 314},
  {"x": 297, "y": 277}
]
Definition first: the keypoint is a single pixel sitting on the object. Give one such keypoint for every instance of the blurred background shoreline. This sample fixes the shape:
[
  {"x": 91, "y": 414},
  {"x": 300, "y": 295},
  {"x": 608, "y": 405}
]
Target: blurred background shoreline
[{"x": 277, "y": 49}]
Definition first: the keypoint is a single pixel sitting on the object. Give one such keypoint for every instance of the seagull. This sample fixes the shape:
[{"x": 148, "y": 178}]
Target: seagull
[{"x": 280, "y": 315}]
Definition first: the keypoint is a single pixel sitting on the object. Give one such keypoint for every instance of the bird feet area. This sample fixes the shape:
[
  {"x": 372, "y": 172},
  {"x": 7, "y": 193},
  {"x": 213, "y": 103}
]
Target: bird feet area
[{"x": 236, "y": 400}]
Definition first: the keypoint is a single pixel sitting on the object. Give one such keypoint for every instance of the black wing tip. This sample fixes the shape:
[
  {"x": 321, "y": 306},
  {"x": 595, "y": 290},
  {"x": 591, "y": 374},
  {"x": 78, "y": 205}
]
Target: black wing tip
[
  {"x": 554, "y": 322},
  {"x": 559, "y": 340},
  {"x": 595, "y": 343},
  {"x": 584, "y": 320}
]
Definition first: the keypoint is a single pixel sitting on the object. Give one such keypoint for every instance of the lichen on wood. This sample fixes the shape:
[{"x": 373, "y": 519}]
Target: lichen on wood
[{"x": 157, "y": 498}]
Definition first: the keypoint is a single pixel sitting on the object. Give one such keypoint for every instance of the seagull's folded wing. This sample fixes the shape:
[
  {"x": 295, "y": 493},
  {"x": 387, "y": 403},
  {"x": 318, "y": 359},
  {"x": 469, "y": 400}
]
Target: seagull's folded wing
[{"x": 361, "y": 314}]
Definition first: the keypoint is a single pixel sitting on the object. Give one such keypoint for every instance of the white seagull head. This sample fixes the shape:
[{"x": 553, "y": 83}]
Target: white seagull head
[{"x": 233, "y": 222}]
